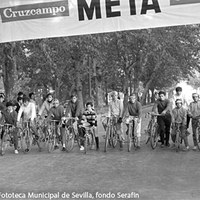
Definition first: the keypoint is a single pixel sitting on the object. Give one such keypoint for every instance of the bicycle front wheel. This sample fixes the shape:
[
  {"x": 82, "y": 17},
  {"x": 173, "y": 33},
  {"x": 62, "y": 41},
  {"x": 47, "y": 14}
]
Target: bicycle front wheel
[
  {"x": 177, "y": 142},
  {"x": 26, "y": 140},
  {"x": 106, "y": 139},
  {"x": 69, "y": 140},
  {"x": 51, "y": 141},
  {"x": 114, "y": 137},
  {"x": 4, "y": 144},
  {"x": 129, "y": 138},
  {"x": 154, "y": 137}
]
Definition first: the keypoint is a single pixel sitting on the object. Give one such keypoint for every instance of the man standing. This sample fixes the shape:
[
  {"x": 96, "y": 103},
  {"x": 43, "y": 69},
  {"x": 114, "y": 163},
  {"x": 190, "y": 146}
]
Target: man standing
[
  {"x": 162, "y": 106},
  {"x": 134, "y": 108},
  {"x": 179, "y": 116},
  {"x": 115, "y": 111},
  {"x": 179, "y": 95},
  {"x": 194, "y": 113}
]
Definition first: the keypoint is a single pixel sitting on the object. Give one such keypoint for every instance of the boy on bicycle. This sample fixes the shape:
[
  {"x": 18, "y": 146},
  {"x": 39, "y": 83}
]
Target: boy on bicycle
[
  {"x": 57, "y": 113},
  {"x": 162, "y": 106},
  {"x": 90, "y": 116},
  {"x": 115, "y": 111},
  {"x": 28, "y": 111},
  {"x": 194, "y": 113},
  {"x": 10, "y": 117},
  {"x": 134, "y": 108},
  {"x": 179, "y": 116}
]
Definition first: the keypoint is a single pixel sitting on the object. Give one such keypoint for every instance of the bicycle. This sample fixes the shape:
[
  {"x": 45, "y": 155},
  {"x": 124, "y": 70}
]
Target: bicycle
[
  {"x": 198, "y": 133},
  {"x": 88, "y": 137},
  {"x": 26, "y": 136},
  {"x": 51, "y": 134},
  {"x": 132, "y": 127},
  {"x": 178, "y": 136},
  {"x": 111, "y": 136},
  {"x": 152, "y": 130},
  {"x": 70, "y": 133},
  {"x": 7, "y": 137}
]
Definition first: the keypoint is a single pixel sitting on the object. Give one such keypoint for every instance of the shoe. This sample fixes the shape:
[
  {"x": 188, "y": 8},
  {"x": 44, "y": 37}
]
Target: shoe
[
  {"x": 82, "y": 148},
  {"x": 162, "y": 145},
  {"x": 186, "y": 148},
  {"x": 194, "y": 148},
  {"x": 63, "y": 149},
  {"x": 167, "y": 145},
  {"x": 26, "y": 150},
  {"x": 16, "y": 151},
  {"x": 56, "y": 147}
]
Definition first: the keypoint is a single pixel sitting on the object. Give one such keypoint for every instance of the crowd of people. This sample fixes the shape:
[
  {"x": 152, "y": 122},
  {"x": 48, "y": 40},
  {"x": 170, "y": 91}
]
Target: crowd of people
[
  {"x": 25, "y": 109},
  {"x": 172, "y": 111}
]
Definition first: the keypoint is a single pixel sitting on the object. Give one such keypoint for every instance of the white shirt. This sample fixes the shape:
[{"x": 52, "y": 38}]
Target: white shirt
[
  {"x": 29, "y": 112},
  {"x": 115, "y": 108}
]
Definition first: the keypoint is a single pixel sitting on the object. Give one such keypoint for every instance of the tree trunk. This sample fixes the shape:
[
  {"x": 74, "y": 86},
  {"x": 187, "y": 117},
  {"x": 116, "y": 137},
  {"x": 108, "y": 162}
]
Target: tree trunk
[
  {"x": 78, "y": 82},
  {"x": 10, "y": 69}
]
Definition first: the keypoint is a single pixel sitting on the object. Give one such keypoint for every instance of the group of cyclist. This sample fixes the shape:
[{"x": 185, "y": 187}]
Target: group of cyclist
[
  {"x": 171, "y": 111},
  {"x": 177, "y": 110}
]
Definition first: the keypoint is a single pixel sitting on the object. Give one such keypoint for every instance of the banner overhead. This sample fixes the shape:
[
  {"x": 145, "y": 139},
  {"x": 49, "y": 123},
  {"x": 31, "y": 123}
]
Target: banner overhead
[{"x": 34, "y": 19}]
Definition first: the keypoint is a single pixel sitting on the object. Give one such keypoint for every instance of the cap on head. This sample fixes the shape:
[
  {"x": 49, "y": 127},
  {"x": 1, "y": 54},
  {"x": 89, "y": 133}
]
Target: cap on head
[
  {"x": 178, "y": 101},
  {"x": 195, "y": 95}
]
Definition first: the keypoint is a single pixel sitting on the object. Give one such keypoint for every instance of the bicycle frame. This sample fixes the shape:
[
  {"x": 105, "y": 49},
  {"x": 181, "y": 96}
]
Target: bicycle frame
[
  {"x": 111, "y": 133},
  {"x": 26, "y": 136},
  {"x": 52, "y": 136},
  {"x": 178, "y": 132},
  {"x": 152, "y": 130},
  {"x": 132, "y": 138}
]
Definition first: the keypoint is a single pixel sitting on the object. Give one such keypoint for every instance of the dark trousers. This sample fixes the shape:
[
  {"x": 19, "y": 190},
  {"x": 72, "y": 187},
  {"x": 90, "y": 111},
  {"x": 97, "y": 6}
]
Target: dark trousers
[{"x": 164, "y": 128}]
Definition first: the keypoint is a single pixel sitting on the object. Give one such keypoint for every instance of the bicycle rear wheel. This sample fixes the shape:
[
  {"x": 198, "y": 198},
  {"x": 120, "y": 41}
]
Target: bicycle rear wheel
[
  {"x": 154, "y": 136},
  {"x": 177, "y": 141}
]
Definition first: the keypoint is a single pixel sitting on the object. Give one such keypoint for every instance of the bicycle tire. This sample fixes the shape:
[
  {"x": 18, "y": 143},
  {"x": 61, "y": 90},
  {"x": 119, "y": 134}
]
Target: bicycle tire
[
  {"x": 114, "y": 137},
  {"x": 4, "y": 144},
  {"x": 51, "y": 141},
  {"x": 129, "y": 138},
  {"x": 85, "y": 143},
  {"x": 177, "y": 143},
  {"x": 69, "y": 140},
  {"x": 106, "y": 139},
  {"x": 154, "y": 136},
  {"x": 26, "y": 140}
]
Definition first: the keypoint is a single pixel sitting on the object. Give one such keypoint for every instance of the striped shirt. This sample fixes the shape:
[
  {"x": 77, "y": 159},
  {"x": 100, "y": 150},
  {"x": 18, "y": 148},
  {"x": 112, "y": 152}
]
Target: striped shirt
[{"x": 91, "y": 117}]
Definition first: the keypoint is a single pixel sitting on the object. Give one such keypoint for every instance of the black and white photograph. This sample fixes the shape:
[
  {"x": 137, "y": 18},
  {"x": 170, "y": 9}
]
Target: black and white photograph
[{"x": 99, "y": 99}]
